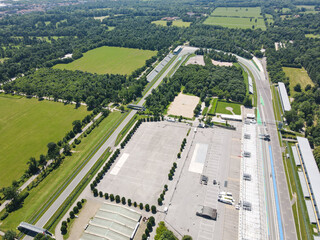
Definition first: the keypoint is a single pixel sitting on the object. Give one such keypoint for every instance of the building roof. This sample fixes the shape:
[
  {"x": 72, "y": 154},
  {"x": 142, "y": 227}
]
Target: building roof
[
  {"x": 112, "y": 222},
  {"x": 209, "y": 212},
  {"x": 295, "y": 156},
  {"x": 311, "y": 168},
  {"x": 310, "y": 211},
  {"x": 303, "y": 184},
  {"x": 231, "y": 117},
  {"x": 284, "y": 97}
]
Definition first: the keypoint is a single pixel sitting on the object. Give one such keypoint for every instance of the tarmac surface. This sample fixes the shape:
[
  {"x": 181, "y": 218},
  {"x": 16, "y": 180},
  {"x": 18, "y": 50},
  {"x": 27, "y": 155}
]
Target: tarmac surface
[{"x": 269, "y": 126}]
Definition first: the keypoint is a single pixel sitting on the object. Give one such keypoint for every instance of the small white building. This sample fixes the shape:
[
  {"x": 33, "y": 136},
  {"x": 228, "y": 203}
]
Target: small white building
[{"x": 285, "y": 103}]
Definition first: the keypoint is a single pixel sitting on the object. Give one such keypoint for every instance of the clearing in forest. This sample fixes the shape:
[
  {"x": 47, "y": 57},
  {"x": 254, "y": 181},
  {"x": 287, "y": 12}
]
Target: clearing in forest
[
  {"x": 26, "y": 127},
  {"x": 114, "y": 60},
  {"x": 183, "y": 105},
  {"x": 237, "y": 17},
  {"x": 177, "y": 23},
  {"x": 248, "y": 12},
  {"x": 297, "y": 75},
  {"x": 196, "y": 60}
]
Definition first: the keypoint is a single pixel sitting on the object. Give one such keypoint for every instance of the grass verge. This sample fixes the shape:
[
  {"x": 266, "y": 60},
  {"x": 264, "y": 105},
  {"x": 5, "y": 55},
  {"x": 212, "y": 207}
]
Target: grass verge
[
  {"x": 51, "y": 225},
  {"x": 212, "y": 110},
  {"x": 126, "y": 129}
]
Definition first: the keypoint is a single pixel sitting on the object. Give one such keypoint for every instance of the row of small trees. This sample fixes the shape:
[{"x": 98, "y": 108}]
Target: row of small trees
[
  {"x": 183, "y": 144},
  {"x": 161, "y": 198},
  {"x": 172, "y": 171},
  {"x": 76, "y": 209},
  {"x": 150, "y": 224},
  {"x": 133, "y": 130},
  {"x": 124, "y": 201},
  {"x": 105, "y": 169}
]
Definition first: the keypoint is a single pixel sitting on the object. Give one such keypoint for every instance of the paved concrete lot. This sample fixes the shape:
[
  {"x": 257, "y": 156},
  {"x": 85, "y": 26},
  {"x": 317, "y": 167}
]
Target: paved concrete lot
[
  {"x": 223, "y": 165},
  {"x": 143, "y": 165}
]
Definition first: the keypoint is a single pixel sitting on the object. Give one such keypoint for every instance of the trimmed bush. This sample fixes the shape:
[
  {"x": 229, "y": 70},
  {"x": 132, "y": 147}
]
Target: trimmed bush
[
  {"x": 106, "y": 196},
  {"x": 75, "y": 210},
  {"x": 141, "y": 206},
  {"x": 147, "y": 207},
  {"x": 117, "y": 199},
  {"x": 72, "y": 215},
  {"x": 153, "y": 209},
  {"x": 111, "y": 197}
]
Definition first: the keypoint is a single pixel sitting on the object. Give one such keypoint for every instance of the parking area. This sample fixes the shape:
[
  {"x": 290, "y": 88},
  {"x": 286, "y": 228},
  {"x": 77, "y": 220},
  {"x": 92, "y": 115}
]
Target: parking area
[
  {"x": 219, "y": 152},
  {"x": 142, "y": 168}
]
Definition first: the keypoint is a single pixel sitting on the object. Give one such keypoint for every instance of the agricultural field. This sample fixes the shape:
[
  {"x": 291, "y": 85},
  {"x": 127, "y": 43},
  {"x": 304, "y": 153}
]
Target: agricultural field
[
  {"x": 39, "y": 196},
  {"x": 26, "y": 127},
  {"x": 297, "y": 75},
  {"x": 114, "y": 60},
  {"x": 222, "y": 107},
  {"x": 177, "y": 23},
  {"x": 250, "y": 12},
  {"x": 232, "y": 22},
  {"x": 237, "y": 17}
]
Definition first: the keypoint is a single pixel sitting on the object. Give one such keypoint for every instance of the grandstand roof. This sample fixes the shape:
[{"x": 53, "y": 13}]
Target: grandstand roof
[{"x": 284, "y": 97}]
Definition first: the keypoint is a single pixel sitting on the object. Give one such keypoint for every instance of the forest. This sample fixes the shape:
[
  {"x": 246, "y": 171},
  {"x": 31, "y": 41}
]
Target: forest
[
  {"x": 78, "y": 86},
  {"x": 202, "y": 81}
]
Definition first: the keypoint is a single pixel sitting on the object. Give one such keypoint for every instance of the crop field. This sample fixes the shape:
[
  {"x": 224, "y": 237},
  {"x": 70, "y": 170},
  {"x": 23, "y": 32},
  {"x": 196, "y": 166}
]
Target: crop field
[
  {"x": 177, "y": 23},
  {"x": 26, "y": 127},
  {"x": 232, "y": 22},
  {"x": 222, "y": 108},
  {"x": 297, "y": 75},
  {"x": 253, "y": 12},
  {"x": 114, "y": 60},
  {"x": 46, "y": 189}
]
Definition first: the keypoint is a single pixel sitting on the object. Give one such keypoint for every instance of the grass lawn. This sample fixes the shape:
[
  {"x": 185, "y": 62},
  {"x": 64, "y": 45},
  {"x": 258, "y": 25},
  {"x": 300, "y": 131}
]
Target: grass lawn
[
  {"x": 46, "y": 189},
  {"x": 26, "y": 127},
  {"x": 237, "y": 12},
  {"x": 213, "y": 106},
  {"x": 297, "y": 75},
  {"x": 113, "y": 60},
  {"x": 312, "y": 35},
  {"x": 234, "y": 22},
  {"x": 221, "y": 108},
  {"x": 3, "y": 59},
  {"x": 101, "y": 18},
  {"x": 177, "y": 23},
  {"x": 47, "y": 38}
]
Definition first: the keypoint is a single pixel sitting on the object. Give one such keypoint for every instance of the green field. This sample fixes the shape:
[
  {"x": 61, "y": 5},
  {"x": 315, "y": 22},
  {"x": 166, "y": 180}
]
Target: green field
[
  {"x": 113, "y": 60},
  {"x": 221, "y": 108},
  {"x": 213, "y": 106},
  {"x": 26, "y": 127},
  {"x": 177, "y": 23},
  {"x": 297, "y": 75},
  {"x": 3, "y": 59},
  {"x": 248, "y": 12},
  {"x": 312, "y": 35},
  {"x": 101, "y": 18},
  {"x": 232, "y": 22},
  {"x": 47, "y": 188}
]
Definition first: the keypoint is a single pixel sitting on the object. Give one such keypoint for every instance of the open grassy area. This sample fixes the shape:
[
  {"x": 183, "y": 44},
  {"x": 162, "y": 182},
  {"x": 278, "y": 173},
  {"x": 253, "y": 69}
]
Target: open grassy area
[
  {"x": 47, "y": 188},
  {"x": 221, "y": 107},
  {"x": 237, "y": 12},
  {"x": 236, "y": 22},
  {"x": 297, "y": 75},
  {"x": 101, "y": 18},
  {"x": 3, "y": 59},
  {"x": 177, "y": 23},
  {"x": 26, "y": 127},
  {"x": 312, "y": 35},
  {"x": 213, "y": 106},
  {"x": 113, "y": 60}
]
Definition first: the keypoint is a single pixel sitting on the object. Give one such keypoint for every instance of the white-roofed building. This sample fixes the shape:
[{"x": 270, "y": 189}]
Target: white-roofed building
[
  {"x": 285, "y": 103},
  {"x": 311, "y": 173}
]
